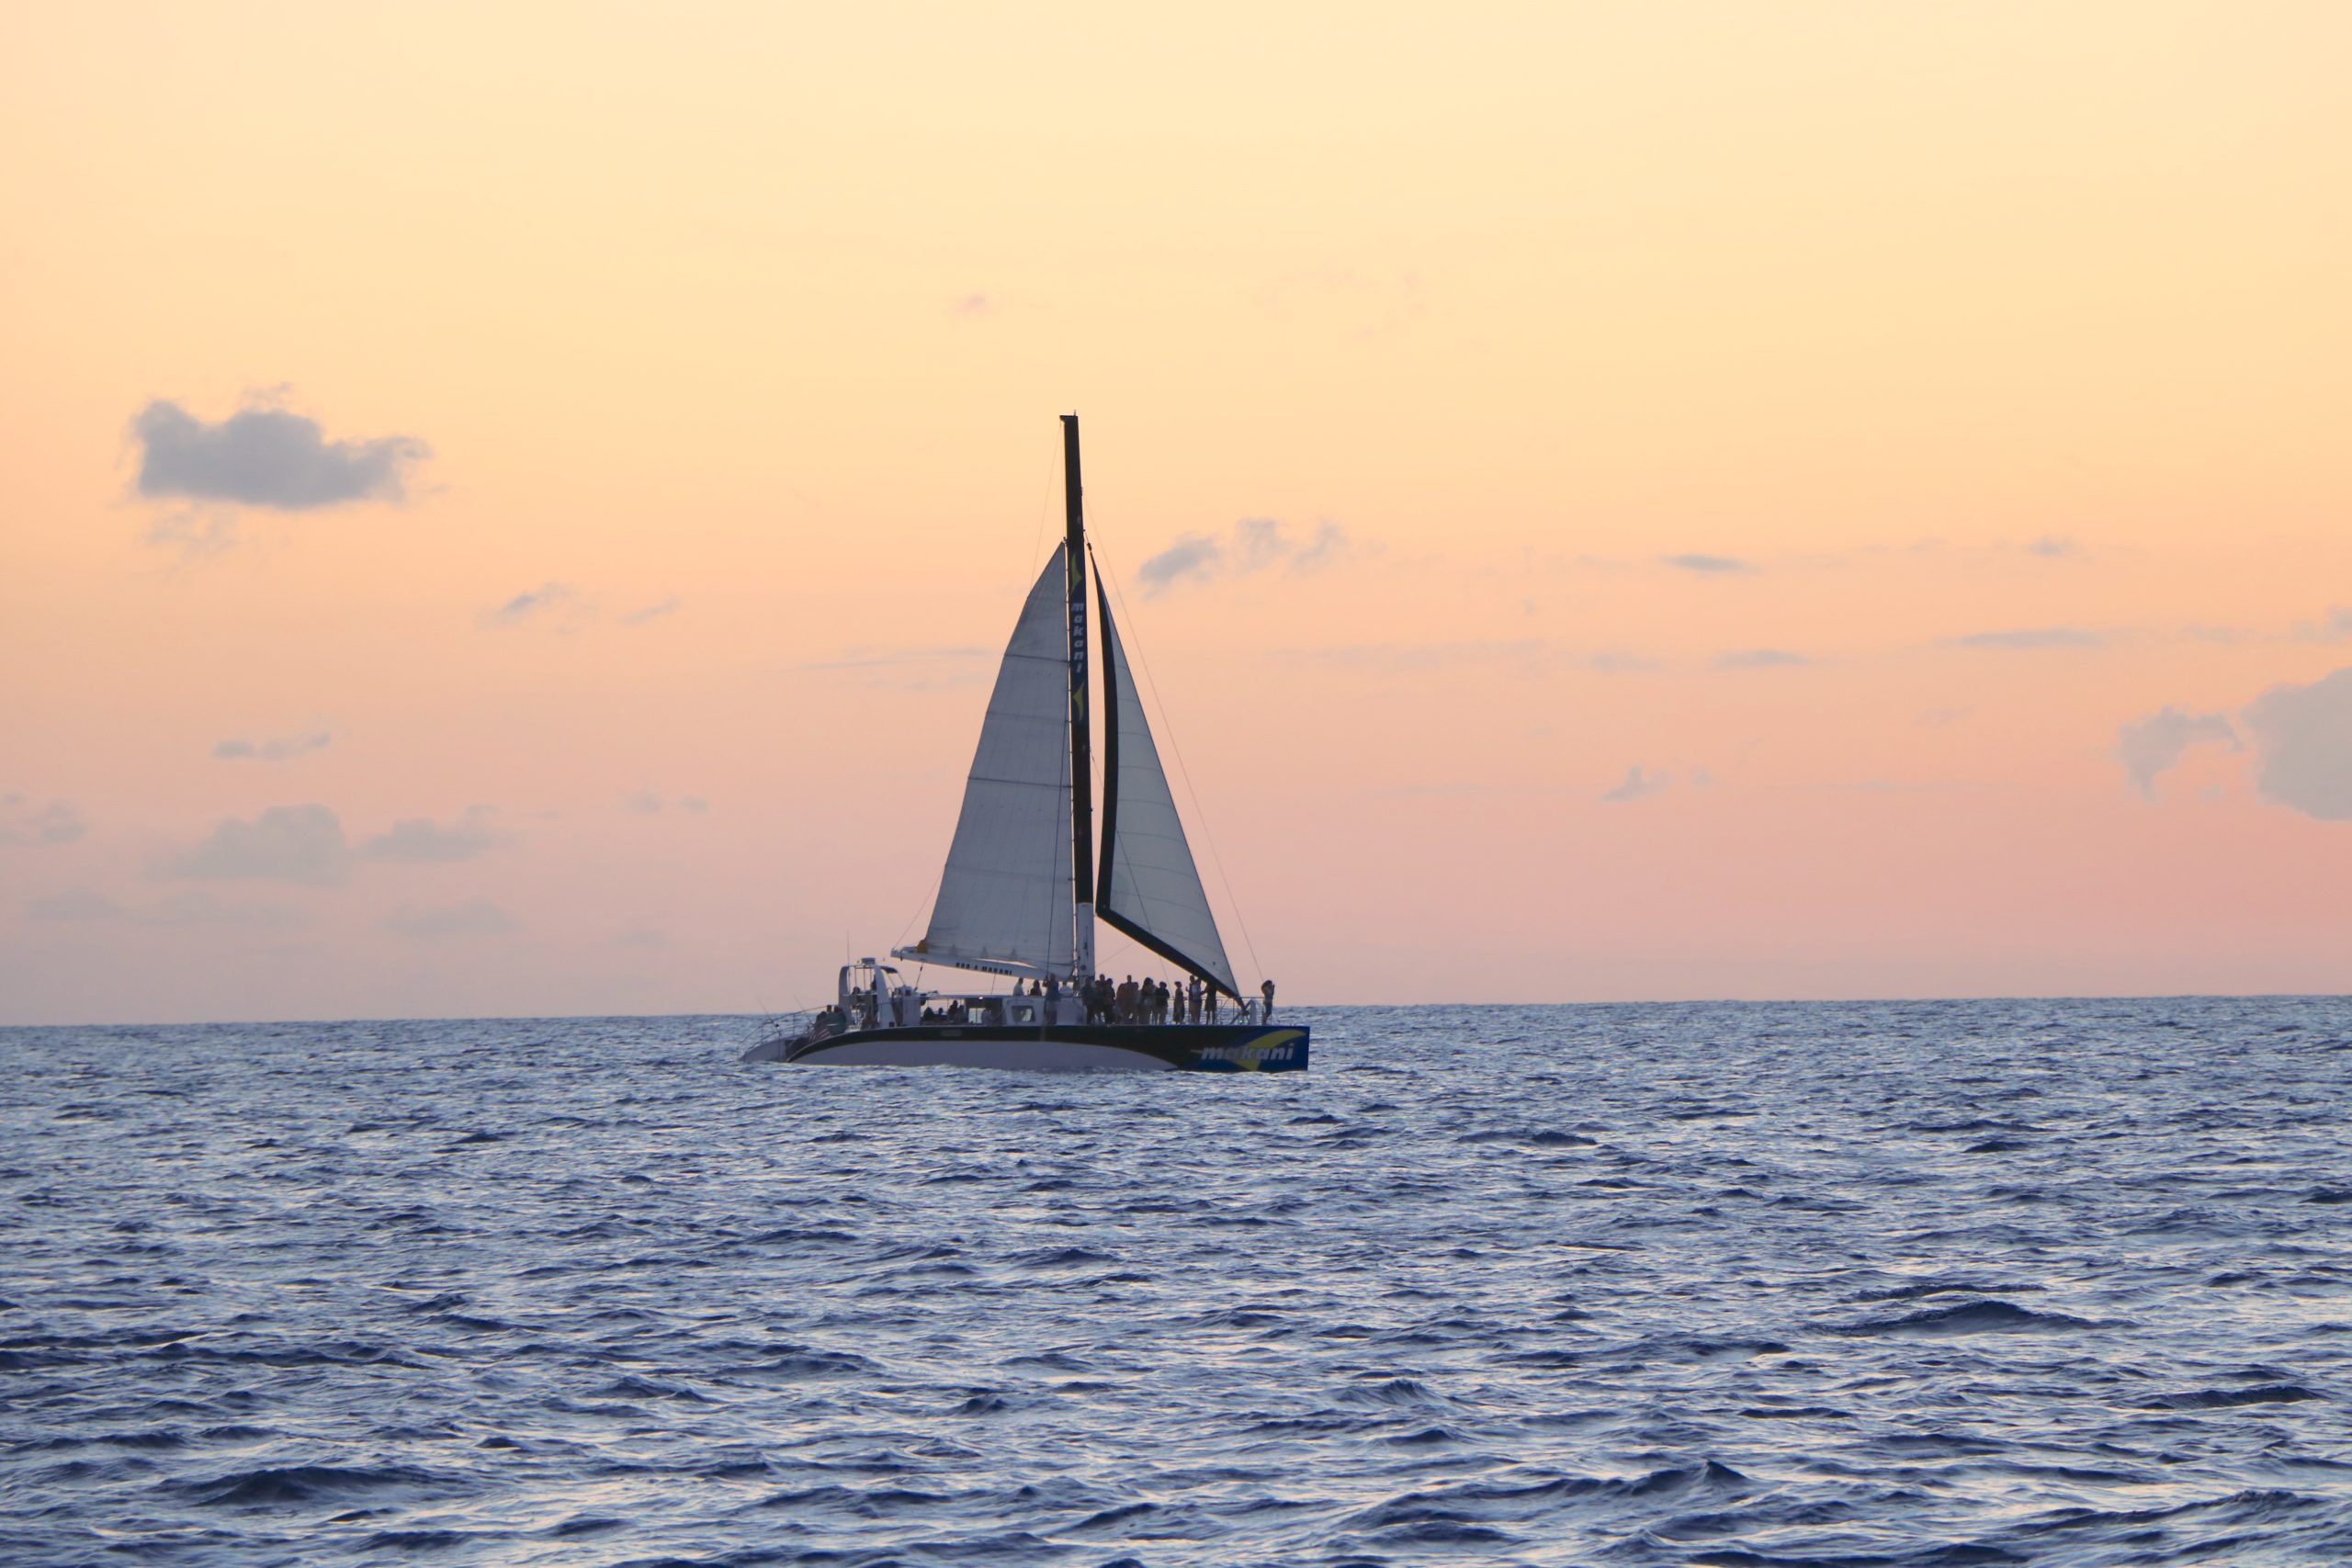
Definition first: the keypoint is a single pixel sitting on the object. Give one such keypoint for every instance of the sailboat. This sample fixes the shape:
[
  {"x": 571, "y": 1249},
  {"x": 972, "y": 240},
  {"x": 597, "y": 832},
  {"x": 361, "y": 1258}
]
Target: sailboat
[{"x": 1020, "y": 896}]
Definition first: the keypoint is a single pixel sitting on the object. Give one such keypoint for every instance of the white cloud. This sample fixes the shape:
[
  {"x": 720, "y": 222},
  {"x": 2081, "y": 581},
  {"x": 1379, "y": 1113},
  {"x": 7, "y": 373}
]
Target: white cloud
[
  {"x": 2149, "y": 747},
  {"x": 473, "y": 917},
  {"x": 2337, "y": 627},
  {"x": 1706, "y": 564},
  {"x": 651, "y": 803},
  {"x": 536, "y": 605},
  {"x": 275, "y": 750},
  {"x": 194, "y": 907},
  {"x": 2304, "y": 734},
  {"x": 1253, "y": 544},
  {"x": 1193, "y": 556},
  {"x": 301, "y": 844},
  {"x": 1639, "y": 784},
  {"x": 266, "y": 457},
  {"x": 420, "y": 840},
  {"x": 22, "y": 822},
  {"x": 73, "y": 904},
  {"x": 650, "y": 613},
  {"x": 2029, "y": 637}
]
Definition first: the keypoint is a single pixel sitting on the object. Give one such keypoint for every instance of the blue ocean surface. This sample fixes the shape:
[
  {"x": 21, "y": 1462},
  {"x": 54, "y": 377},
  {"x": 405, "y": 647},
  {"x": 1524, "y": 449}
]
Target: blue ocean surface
[{"x": 1889, "y": 1283}]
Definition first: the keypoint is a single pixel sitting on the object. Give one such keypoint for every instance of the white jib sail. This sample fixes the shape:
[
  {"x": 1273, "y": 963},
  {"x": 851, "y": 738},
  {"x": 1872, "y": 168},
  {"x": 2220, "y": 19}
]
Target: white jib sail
[
  {"x": 1149, "y": 886},
  {"x": 1005, "y": 901}
]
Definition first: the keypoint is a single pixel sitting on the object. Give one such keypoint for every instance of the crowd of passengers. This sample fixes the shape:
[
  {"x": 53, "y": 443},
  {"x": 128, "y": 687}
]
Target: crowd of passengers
[
  {"x": 1155, "y": 1001},
  {"x": 1126, "y": 1001},
  {"x": 1147, "y": 1000}
]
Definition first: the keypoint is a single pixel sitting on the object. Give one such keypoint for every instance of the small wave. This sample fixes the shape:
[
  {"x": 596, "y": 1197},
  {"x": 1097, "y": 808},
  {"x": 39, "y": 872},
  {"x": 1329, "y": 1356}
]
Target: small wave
[
  {"x": 1943, "y": 1287},
  {"x": 2229, "y": 1398},
  {"x": 809, "y": 1363},
  {"x": 1059, "y": 1258},
  {"x": 1533, "y": 1137},
  {"x": 634, "y": 1387},
  {"x": 1393, "y": 1391},
  {"x": 787, "y": 1235},
  {"x": 1968, "y": 1317},
  {"x": 274, "y": 1486}
]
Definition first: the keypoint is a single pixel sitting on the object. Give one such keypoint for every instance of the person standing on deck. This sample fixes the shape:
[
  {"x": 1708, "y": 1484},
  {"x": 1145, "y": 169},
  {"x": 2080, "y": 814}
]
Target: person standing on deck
[{"x": 1268, "y": 990}]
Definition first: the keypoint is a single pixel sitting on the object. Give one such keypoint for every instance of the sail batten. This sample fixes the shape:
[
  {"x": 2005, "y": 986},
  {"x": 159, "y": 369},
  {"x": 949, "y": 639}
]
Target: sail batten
[
  {"x": 1149, "y": 886},
  {"x": 1006, "y": 898}
]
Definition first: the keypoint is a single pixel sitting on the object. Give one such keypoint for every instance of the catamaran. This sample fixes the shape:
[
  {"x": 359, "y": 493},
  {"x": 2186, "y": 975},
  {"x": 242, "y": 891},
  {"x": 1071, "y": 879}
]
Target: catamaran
[{"x": 1020, "y": 896}]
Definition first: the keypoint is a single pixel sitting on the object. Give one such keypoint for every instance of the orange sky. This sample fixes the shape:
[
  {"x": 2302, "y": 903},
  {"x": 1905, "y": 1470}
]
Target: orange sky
[{"x": 1843, "y": 421}]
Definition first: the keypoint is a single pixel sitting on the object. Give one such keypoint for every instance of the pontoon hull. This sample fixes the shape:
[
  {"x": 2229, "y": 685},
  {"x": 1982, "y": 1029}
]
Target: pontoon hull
[{"x": 1066, "y": 1047}]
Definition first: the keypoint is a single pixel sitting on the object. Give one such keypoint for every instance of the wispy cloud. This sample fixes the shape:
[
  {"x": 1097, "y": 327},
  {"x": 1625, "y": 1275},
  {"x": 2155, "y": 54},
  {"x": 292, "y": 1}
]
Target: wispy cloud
[
  {"x": 973, "y": 306},
  {"x": 75, "y": 904},
  {"x": 197, "y": 531},
  {"x": 193, "y": 907},
  {"x": 267, "y": 457},
  {"x": 1760, "y": 658},
  {"x": 1706, "y": 564},
  {"x": 2030, "y": 637},
  {"x": 1192, "y": 556},
  {"x": 305, "y": 846},
  {"x": 875, "y": 659},
  {"x": 275, "y": 749},
  {"x": 1639, "y": 784},
  {"x": 1524, "y": 657},
  {"x": 435, "y": 922},
  {"x": 1253, "y": 544},
  {"x": 421, "y": 840},
  {"x": 299, "y": 844},
  {"x": 2054, "y": 547},
  {"x": 651, "y": 802},
  {"x": 650, "y": 613},
  {"x": 2149, "y": 747},
  {"x": 903, "y": 668},
  {"x": 534, "y": 605},
  {"x": 2334, "y": 627},
  {"x": 53, "y": 822}
]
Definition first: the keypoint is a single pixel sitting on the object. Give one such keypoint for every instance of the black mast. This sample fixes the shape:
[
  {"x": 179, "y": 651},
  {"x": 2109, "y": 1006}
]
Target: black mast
[{"x": 1081, "y": 748}]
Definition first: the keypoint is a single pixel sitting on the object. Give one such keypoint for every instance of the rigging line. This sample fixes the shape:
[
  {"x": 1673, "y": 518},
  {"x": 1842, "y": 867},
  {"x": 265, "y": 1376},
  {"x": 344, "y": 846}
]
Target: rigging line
[{"x": 1169, "y": 728}]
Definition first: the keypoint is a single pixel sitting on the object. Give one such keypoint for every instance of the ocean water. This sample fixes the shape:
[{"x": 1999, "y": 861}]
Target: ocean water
[{"x": 1917, "y": 1284}]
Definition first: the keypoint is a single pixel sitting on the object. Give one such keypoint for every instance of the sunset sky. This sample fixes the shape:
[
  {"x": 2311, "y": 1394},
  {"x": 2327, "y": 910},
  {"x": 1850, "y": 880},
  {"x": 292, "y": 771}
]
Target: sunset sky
[{"x": 514, "y": 509}]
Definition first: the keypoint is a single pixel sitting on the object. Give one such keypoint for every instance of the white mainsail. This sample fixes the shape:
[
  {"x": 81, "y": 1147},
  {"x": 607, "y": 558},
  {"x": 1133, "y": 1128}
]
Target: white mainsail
[
  {"x": 1006, "y": 901},
  {"x": 1149, "y": 887}
]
